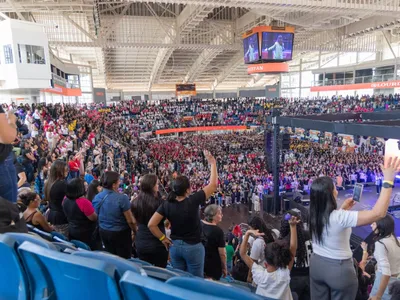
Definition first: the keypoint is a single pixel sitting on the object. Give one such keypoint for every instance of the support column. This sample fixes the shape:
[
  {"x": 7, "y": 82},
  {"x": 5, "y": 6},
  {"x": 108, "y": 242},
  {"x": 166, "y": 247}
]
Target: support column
[{"x": 275, "y": 162}]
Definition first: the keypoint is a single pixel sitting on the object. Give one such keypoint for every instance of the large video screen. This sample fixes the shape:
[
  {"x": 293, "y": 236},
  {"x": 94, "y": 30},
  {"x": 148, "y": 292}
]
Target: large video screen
[
  {"x": 186, "y": 89},
  {"x": 277, "y": 46},
  {"x": 251, "y": 51}
]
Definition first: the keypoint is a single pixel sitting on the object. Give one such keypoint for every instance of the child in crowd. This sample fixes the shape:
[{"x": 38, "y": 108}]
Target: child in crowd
[
  {"x": 273, "y": 278},
  {"x": 230, "y": 252}
]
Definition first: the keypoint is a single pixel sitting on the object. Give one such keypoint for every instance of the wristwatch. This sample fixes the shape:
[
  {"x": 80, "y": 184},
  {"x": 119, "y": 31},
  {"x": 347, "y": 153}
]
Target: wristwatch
[{"x": 387, "y": 185}]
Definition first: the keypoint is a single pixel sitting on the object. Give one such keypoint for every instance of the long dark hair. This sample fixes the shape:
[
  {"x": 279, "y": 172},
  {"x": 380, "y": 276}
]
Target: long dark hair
[
  {"x": 301, "y": 253},
  {"x": 322, "y": 204},
  {"x": 179, "y": 186},
  {"x": 92, "y": 189},
  {"x": 258, "y": 224},
  {"x": 145, "y": 205},
  {"x": 384, "y": 229},
  {"x": 57, "y": 172}
]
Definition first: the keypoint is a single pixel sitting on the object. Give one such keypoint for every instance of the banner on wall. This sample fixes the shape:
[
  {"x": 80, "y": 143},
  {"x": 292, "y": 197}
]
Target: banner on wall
[{"x": 60, "y": 90}]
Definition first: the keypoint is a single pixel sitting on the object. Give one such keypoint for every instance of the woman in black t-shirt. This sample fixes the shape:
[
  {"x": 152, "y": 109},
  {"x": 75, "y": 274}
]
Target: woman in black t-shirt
[
  {"x": 148, "y": 247},
  {"x": 54, "y": 191},
  {"x": 215, "y": 259},
  {"x": 182, "y": 210},
  {"x": 8, "y": 133}
]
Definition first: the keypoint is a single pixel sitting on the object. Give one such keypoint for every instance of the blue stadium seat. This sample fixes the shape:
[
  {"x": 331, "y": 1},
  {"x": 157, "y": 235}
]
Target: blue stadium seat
[
  {"x": 136, "y": 287},
  {"x": 58, "y": 236},
  {"x": 55, "y": 275},
  {"x": 47, "y": 236},
  {"x": 140, "y": 262},
  {"x": 13, "y": 279},
  {"x": 65, "y": 247},
  {"x": 26, "y": 237},
  {"x": 212, "y": 288},
  {"x": 81, "y": 245},
  {"x": 182, "y": 273},
  {"x": 162, "y": 274},
  {"x": 122, "y": 265}
]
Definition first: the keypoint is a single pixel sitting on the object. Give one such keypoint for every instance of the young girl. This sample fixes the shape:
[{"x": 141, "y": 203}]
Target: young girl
[{"x": 273, "y": 280}]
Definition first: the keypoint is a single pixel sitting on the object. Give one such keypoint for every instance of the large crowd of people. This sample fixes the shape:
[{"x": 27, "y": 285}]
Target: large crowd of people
[{"x": 88, "y": 173}]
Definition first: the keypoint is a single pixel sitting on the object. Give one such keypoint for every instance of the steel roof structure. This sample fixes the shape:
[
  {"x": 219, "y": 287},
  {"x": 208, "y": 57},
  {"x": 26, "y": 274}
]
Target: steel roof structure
[{"x": 150, "y": 46}]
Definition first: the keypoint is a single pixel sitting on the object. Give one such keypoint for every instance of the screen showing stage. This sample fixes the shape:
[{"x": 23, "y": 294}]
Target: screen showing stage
[
  {"x": 277, "y": 46},
  {"x": 251, "y": 51},
  {"x": 187, "y": 89}
]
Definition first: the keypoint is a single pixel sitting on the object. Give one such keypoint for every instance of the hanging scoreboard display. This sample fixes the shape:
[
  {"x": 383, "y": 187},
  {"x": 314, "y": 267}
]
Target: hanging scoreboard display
[{"x": 186, "y": 89}]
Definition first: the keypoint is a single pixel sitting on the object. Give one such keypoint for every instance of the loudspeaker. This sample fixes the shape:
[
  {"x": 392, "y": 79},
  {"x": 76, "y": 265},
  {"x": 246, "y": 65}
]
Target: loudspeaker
[
  {"x": 285, "y": 142},
  {"x": 268, "y": 150}
]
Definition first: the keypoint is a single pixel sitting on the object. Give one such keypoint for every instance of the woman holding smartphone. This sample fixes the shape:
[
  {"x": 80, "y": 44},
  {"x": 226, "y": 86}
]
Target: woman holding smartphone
[{"x": 330, "y": 230}]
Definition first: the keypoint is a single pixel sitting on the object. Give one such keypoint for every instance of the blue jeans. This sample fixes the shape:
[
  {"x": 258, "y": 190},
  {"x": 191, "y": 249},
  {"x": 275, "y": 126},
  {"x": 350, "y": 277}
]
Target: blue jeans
[
  {"x": 229, "y": 265},
  {"x": 377, "y": 282},
  {"x": 8, "y": 182},
  {"x": 188, "y": 257}
]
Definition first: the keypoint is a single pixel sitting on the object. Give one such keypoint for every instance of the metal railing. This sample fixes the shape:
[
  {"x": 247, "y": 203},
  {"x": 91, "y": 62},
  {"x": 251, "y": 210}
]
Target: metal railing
[{"x": 355, "y": 80}]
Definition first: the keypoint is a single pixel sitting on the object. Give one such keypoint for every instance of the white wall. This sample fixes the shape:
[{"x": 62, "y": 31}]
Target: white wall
[{"x": 24, "y": 75}]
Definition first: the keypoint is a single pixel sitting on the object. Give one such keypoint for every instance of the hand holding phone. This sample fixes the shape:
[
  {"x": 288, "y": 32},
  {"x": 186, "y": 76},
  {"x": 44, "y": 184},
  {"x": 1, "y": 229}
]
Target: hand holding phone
[{"x": 357, "y": 192}]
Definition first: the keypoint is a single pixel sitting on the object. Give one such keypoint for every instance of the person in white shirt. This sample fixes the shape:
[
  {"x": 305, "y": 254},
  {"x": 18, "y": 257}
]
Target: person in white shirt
[
  {"x": 387, "y": 255},
  {"x": 278, "y": 48},
  {"x": 330, "y": 230},
  {"x": 272, "y": 276}
]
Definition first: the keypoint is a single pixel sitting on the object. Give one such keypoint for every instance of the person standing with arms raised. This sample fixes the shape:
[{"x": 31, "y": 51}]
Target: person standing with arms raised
[
  {"x": 330, "y": 230},
  {"x": 182, "y": 210}
]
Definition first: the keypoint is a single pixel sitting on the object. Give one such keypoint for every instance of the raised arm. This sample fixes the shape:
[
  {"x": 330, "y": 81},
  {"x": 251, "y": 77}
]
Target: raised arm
[
  {"x": 212, "y": 186},
  {"x": 293, "y": 239},
  {"x": 8, "y": 127},
  {"x": 243, "y": 247},
  {"x": 366, "y": 217}
]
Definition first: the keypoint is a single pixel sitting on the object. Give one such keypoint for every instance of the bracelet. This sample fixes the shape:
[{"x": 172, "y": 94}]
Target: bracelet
[
  {"x": 162, "y": 238},
  {"x": 390, "y": 182}
]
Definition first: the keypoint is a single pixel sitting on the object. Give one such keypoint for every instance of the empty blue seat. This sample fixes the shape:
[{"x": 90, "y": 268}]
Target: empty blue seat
[
  {"x": 136, "y": 287},
  {"x": 55, "y": 275},
  {"x": 26, "y": 237},
  {"x": 212, "y": 288},
  {"x": 13, "y": 280},
  {"x": 162, "y": 274},
  {"x": 141, "y": 262},
  {"x": 122, "y": 265}
]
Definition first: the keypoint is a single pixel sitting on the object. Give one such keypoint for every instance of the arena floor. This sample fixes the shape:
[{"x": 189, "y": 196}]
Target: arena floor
[{"x": 239, "y": 213}]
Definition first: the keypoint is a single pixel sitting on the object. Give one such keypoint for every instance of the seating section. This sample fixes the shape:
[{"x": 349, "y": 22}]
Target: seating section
[
  {"x": 55, "y": 275},
  {"x": 38, "y": 269},
  {"x": 13, "y": 283}
]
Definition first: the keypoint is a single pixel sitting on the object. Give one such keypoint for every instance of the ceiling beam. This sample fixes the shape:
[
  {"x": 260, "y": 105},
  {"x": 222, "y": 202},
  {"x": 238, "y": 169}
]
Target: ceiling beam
[
  {"x": 16, "y": 9},
  {"x": 77, "y": 26}
]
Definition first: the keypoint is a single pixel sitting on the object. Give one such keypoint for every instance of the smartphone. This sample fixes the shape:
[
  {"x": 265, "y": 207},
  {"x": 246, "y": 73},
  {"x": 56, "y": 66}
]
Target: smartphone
[
  {"x": 358, "y": 188},
  {"x": 392, "y": 149}
]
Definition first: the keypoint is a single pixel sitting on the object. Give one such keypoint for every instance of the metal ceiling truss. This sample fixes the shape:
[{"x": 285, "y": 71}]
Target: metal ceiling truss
[{"x": 150, "y": 45}]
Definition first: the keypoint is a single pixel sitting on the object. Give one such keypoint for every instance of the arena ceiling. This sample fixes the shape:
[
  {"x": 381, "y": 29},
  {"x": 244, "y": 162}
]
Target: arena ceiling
[{"x": 139, "y": 46}]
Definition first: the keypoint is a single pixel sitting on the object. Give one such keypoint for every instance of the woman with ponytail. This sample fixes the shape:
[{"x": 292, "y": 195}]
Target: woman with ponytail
[
  {"x": 273, "y": 275},
  {"x": 31, "y": 214},
  {"x": 258, "y": 245},
  {"x": 182, "y": 210}
]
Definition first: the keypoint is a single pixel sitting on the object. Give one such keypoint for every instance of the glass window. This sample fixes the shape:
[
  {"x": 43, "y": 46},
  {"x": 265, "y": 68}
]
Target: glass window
[
  {"x": 8, "y": 54},
  {"x": 30, "y": 54}
]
